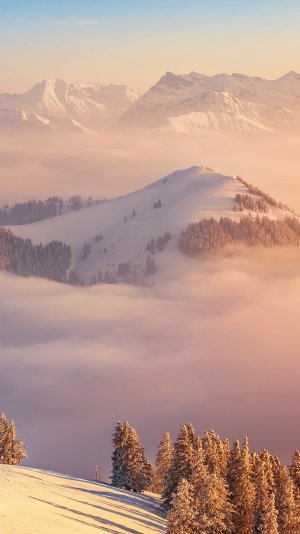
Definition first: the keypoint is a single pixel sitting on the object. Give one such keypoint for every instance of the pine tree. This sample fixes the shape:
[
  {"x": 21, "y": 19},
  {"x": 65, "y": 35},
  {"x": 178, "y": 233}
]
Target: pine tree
[
  {"x": 181, "y": 516},
  {"x": 12, "y": 450},
  {"x": 200, "y": 473},
  {"x": 262, "y": 494},
  {"x": 216, "y": 452},
  {"x": 270, "y": 464},
  {"x": 295, "y": 470},
  {"x": 163, "y": 462},
  {"x": 182, "y": 461},
  {"x": 3, "y": 432},
  {"x": 268, "y": 523},
  {"x": 234, "y": 458},
  {"x": 215, "y": 511},
  {"x": 243, "y": 492},
  {"x": 131, "y": 470},
  {"x": 288, "y": 522}
]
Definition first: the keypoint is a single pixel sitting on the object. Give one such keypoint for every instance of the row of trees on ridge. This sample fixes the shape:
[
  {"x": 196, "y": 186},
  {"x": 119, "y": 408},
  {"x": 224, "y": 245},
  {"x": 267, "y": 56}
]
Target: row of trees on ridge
[{"x": 210, "y": 487}]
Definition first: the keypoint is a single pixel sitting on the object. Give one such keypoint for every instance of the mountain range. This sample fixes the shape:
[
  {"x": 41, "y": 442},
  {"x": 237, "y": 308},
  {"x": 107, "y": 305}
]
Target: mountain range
[
  {"x": 53, "y": 104},
  {"x": 186, "y": 104},
  {"x": 193, "y": 102}
]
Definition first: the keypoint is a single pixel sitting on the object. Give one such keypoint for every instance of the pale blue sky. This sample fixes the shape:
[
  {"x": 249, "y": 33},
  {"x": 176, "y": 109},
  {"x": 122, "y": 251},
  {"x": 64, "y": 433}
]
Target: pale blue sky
[{"x": 136, "y": 41}]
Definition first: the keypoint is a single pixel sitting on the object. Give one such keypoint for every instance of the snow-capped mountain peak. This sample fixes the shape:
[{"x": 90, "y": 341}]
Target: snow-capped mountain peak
[
  {"x": 192, "y": 102},
  {"x": 92, "y": 105}
]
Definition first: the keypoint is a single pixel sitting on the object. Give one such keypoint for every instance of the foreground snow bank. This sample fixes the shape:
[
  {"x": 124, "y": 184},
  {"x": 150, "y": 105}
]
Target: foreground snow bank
[{"x": 41, "y": 502}]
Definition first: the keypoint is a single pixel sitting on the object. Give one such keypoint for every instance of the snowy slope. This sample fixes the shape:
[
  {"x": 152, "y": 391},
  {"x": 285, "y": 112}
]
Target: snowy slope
[
  {"x": 186, "y": 196},
  {"x": 90, "y": 104},
  {"x": 41, "y": 502},
  {"x": 22, "y": 120},
  {"x": 192, "y": 102}
]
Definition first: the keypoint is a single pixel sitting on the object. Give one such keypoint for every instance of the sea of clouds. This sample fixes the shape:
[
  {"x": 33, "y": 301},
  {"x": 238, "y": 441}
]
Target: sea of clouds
[{"x": 217, "y": 345}]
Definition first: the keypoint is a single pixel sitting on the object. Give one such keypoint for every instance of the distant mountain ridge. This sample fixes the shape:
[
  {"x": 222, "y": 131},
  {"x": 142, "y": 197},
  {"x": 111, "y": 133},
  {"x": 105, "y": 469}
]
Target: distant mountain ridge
[
  {"x": 81, "y": 105},
  {"x": 186, "y": 104},
  {"x": 192, "y": 102}
]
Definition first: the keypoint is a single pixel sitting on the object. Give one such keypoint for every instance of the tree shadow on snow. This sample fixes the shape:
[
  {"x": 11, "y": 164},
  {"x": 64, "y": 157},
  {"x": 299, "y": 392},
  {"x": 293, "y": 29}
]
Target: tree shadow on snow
[
  {"x": 106, "y": 524},
  {"x": 141, "y": 517}
]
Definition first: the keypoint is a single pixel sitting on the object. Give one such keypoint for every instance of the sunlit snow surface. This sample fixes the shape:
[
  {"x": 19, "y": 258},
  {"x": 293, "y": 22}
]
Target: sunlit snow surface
[{"x": 41, "y": 502}]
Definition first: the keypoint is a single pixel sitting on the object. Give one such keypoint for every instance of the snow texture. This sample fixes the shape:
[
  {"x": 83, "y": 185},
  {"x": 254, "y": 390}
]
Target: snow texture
[{"x": 42, "y": 502}]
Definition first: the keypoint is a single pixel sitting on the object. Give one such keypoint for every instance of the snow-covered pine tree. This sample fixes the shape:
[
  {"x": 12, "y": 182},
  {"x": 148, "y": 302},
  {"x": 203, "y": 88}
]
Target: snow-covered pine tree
[
  {"x": 12, "y": 450},
  {"x": 3, "y": 431},
  {"x": 268, "y": 522},
  {"x": 163, "y": 462},
  {"x": 295, "y": 470},
  {"x": 216, "y": 452},
  {"x": 262, "y": 492},
  {"x": 182, "y": 462},
  {"x": 270, "y": 463},
  {"x": 118, "y": 457},
  {"x": 181, "y": 516},
  {"x": 131, "y": 470},
  {"x": 148, "y": 474},
  {"x": 234, "y": 458},
  {"x": 214, "y": 508},
  {"x": 200, "y": 472},
  {"x": 288, "y": 522},
  {"x": 243, "y": 491}
]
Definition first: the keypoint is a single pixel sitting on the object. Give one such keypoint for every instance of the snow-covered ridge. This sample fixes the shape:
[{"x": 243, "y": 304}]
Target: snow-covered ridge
[
  {"x": 24, "y": 120},
  {"x": 192, "y": 102},
  {"x": 43, "y": 502},
  {"x": 89, "y": 104},
  {"x": 118, "y": 230}
]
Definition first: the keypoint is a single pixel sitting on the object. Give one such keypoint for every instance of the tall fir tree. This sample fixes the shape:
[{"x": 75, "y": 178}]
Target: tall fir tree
[
  {"x": 243, "y": 492},
  {"x": 3, "y": 432},
  {"x": 268, "y": 524},
  {"x": 182, "y": 462},
  {"x": 163, "y": 462},
  {"x": 288, "y": 519},
  {"x": 216, "y": 452},
  {"x": 214, "y": 508},
  {"x": 131, "y": 470},
  {"x": 270, "y": 463},
  {"x": 262, "y": 493},
  {"x": 295, "y": 470},
  {"x": 234, "y": 458},
  {"x": 181, "y": 516}
]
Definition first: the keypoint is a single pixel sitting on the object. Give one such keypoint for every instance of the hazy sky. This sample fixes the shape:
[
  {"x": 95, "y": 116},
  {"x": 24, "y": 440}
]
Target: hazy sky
[{"x": 136, "y": 41}]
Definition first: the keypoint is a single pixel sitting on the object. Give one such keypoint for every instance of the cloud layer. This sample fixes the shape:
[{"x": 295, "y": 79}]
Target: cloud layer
[{"x": 218, "y": 346}]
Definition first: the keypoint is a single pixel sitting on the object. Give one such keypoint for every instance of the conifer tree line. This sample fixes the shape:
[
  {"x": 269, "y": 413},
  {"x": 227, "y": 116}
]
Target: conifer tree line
[
  {"x": 209, "y": 486},
  {"x": 21, "y": 257},
  {"x": 245, "y": 202},
  {"x": 210, "y": 235},
  {"x": 37, "y": 210},
  {"x": 12, "y": 450},
  {"x": 253, "y": 190}
]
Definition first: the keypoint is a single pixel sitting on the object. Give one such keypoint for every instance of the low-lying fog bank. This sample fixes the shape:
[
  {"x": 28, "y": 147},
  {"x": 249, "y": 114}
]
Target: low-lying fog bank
[{"x": 217, "y": 345}]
